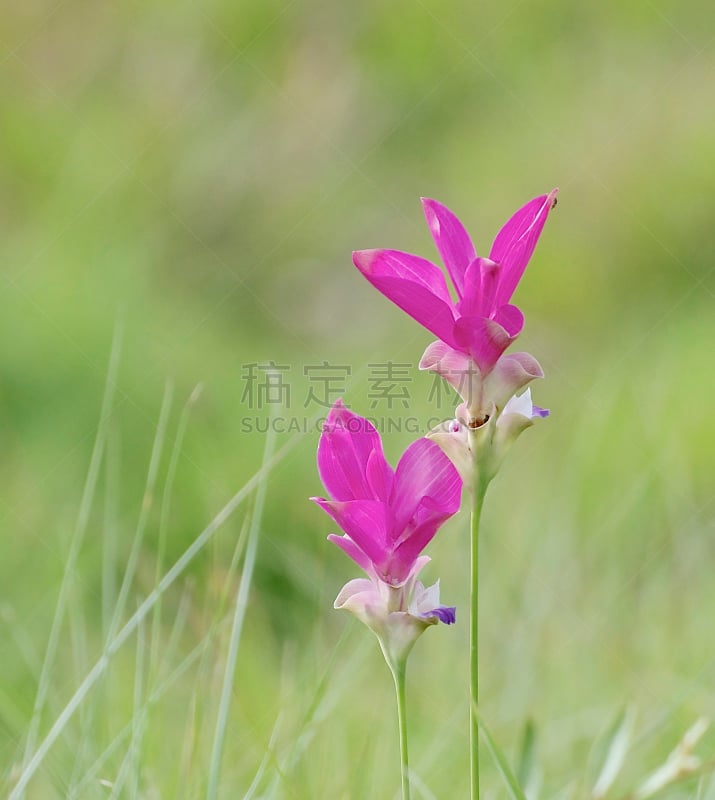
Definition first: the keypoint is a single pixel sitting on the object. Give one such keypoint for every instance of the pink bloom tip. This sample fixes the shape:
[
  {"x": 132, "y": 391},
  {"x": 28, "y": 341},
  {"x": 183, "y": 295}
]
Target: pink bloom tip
[
  {"x": 388, "y": 516},
  {"x": 481, "y": 323}
]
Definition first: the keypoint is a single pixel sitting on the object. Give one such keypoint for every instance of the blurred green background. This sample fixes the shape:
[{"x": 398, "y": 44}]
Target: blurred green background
[{"x": 198, "y": 174}]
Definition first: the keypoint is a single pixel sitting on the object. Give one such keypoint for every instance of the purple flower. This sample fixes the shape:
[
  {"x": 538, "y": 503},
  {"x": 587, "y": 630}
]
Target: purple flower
[
  {"x": 481, "y": 323},
  {"x": 388, "y": 516}
]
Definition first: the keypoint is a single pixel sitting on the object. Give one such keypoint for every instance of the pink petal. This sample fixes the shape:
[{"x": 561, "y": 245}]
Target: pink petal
[
  {"x": 346, "y": 445},
  {"x": 456, "y": 367},
  {"x": 481, "y": 281},
  {"x": 399, "y": 570},
  {"x": 405, "y": 266},
  {"x": 364, "y": 521},
  {"x": 362, "y": 598},
  {"x": 452, "y": 241},
  {"x": 356, "y": 588},
  {"x": 430, "y": 515},
  {"x": 511, "y": 373},
  {"x": 424, "y": 471},
  {"x": 418, "y": 566},
  {"x": 434, "y": 510},
  {"x": 484, "y": 339},
  {"x": 379, "y": 476},
  {"x": 436, "y": 353},
  {"x": 516, "y": 241},
  {"x": 510, "y": 318},
  {"x": 415, "y": 285},
  {"x": 454, "y": 445},
  {"x": 348, "y": 546}
]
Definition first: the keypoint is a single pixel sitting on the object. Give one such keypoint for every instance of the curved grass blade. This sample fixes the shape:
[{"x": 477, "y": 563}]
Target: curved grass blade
[
  {"x": 237, "y": 628},
  {"x": 527, "y": 771},
  {"x": 612, "y": 751},
  {"x": 510, "y": 781}
]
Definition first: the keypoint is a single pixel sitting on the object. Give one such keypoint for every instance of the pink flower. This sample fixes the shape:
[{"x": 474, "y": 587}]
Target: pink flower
[
  {"x": 481, "y": 323},
  {"x": 388, "y": 516}
]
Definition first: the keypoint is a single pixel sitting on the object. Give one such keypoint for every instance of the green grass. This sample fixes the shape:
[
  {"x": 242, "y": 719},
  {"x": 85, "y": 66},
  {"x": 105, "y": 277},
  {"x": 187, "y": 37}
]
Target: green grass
[{"x": 587, "y": 584}]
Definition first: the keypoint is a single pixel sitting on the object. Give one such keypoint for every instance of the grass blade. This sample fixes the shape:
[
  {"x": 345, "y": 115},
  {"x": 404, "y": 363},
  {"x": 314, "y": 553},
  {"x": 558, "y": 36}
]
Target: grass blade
[
  {"x": 614, "y": 749},
  {"x": 75, "y": 547},
  {"x": 147, "y": 501},
  {"x": 237, "y": 628},
  {"x": 527, "y": 771},
  {"x": 510, "y": 781},
  {"x": 164, "y": 515},
  {"x": 135, "y": 620}
]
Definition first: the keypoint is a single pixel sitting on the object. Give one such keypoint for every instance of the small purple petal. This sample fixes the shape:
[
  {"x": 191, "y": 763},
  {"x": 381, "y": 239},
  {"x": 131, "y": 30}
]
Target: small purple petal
[
  {"x": 539, "y": 412},
  {"x": 446, "y": 614}
]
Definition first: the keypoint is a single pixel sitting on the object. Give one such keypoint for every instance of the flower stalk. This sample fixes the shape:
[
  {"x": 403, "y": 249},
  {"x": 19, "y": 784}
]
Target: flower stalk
[
  {"x": 474, "y": 648},
  {"x": 398, "y": 670},
  {"x": 477, "y": 492}
]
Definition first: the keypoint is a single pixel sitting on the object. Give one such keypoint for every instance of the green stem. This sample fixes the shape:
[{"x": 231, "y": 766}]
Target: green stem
[
  {"x": 474, "y": 645},
  {"x": 398, "y": 673},
  {"x": 478, "y": 490}
]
